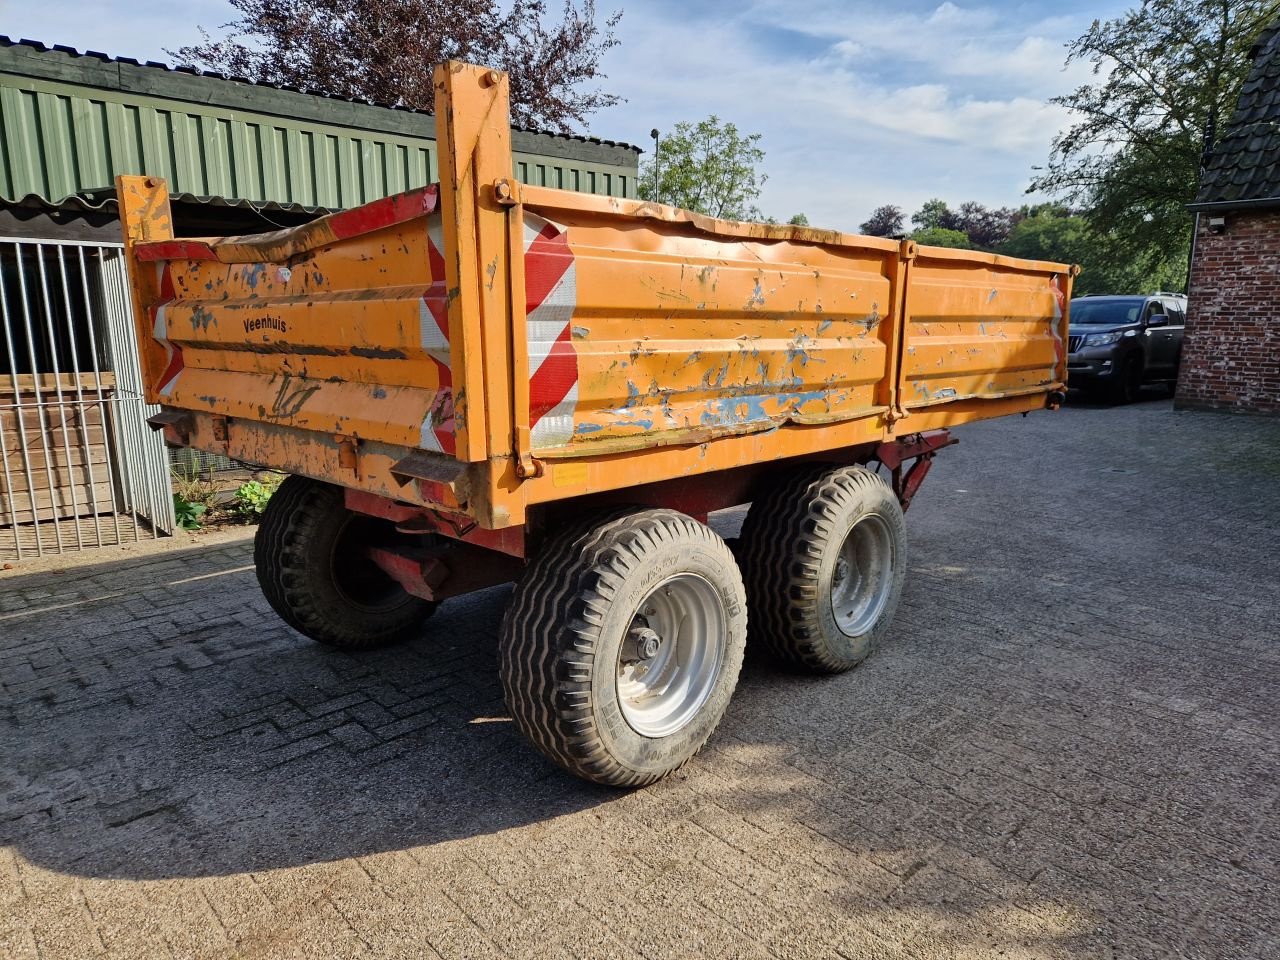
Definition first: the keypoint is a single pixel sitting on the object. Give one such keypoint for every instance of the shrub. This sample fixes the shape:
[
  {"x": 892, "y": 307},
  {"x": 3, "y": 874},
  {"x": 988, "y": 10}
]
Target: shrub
[
  {"x": 251, "y": 498},
  {"x": 188, "y": 512}
]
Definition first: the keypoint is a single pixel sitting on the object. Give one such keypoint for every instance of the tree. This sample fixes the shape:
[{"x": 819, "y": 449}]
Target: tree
[
  {"x": 1168, "y": 71},
  {"x": 708, "y": 167},
  {"x": 384, "y": 50},
  {"x": 942, "y": 237},
  {"x": 799, "y": 220},
  {"x": 1107, "y": 264},
  {"x": 886, "y": 221},
  {"x": 935, "y": 215},
  {"x": 985, "y": 228}
]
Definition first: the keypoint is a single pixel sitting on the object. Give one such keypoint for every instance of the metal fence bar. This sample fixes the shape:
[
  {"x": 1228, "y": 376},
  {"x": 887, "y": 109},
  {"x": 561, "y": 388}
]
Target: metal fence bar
[
  {"x": 35, "y": 388},
  {"x": 86, "y": 451},
  {"x": 22, "y": 436},
  {"x": 120, "y": 424},
  {"x": 8, "y": 487},
  {"x": 62, "y": 411},
  {"x": 149, "y": 444},
  {"x": 91, "y": 323},
  {"x": 76, "y": 325}
]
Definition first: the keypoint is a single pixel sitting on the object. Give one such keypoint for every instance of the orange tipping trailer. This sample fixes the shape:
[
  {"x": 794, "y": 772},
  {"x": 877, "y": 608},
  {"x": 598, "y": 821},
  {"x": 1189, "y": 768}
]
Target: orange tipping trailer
[{"x": 480, "y": 381}]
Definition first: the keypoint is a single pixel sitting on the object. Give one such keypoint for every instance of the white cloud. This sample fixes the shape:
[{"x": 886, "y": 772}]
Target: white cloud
[
  {"x": 120, "y": 28},
  {"x": 871, "y": 108},
  {"x": 860, "y": 103}
]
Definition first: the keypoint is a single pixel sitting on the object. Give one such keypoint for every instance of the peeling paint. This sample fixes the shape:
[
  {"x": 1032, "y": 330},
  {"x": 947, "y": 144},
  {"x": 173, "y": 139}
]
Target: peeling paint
[
  {"x": 203, "y": 318},
  {"x": 378, "y": 353},
  {"x": 714, "y": 378}
]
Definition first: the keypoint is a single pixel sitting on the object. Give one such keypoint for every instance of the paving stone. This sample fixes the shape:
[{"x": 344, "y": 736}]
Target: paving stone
[{"x": 1066, "y": 748}]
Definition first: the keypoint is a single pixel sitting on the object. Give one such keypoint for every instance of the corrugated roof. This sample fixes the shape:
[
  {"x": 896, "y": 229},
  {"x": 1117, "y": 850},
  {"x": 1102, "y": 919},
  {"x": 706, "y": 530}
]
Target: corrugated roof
[
  {"x": 103, "y": 200},
  {"x": 73, "y": 121},
  {"x": 1245, "y": 164},
  {"x": 39, "y": 47}
]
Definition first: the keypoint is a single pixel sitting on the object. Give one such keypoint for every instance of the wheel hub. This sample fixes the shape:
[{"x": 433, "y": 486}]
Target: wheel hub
[
  {"x": 672, "y": 654},
  {"x": 862, "y": 578},
  {"x": 647, "y": 643},
  {"x": 841, "y": 572}
]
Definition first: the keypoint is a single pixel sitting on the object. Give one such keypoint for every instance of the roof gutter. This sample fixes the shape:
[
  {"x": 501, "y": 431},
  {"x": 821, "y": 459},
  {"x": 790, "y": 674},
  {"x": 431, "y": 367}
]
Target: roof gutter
[{"x": 1211, "y": 206}]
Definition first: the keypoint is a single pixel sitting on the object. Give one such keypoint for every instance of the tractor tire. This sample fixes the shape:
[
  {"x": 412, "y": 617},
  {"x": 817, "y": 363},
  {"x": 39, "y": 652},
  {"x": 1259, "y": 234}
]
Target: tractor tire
[
  {"x": 824, "y": 556},
  {"x": 307, "y": 552},
  {"x": 623, "y": 643}
]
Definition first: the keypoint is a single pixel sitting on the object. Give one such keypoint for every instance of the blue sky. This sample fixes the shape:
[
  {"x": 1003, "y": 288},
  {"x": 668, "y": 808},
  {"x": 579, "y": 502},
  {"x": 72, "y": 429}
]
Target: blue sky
[{"x": 860, "y": 103}]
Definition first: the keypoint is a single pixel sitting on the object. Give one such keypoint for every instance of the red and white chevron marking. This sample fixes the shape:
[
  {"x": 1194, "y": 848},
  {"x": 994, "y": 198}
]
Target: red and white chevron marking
[
  {"x": 551, "y": 294},
  {"x": 433, "y": 321},
  {"x": 1059, "y": 308},
  {"x": 160, "y": 330}
]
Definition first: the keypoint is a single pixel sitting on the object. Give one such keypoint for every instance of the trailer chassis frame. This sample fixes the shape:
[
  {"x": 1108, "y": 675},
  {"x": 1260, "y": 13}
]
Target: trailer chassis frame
[{"x": 463, "y": 557}]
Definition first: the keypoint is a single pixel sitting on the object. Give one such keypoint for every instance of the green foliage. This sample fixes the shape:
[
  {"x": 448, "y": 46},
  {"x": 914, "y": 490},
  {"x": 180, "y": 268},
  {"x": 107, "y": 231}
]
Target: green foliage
[
  {"x": 708, "y": 167},
  {"x": 192, "y": 486},
  {"x": 983, "y": 228},
  {"x": 193, "y": 495},
  {"x": 251, "y": 498},
  {"x": 799, "y": 220},
  {"x": 1107, "y": 263},
  {"x": 942, "y": 237},
  {"x": 1167, "y": 71},
  {"x": 934, "y": 215},
  {"x": 187, "y": 512}
]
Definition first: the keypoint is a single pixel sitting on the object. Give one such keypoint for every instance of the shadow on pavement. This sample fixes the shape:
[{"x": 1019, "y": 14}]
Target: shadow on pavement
[
  {"x": 1064, "y": 748},
  {"x": 170, "y": 726}
]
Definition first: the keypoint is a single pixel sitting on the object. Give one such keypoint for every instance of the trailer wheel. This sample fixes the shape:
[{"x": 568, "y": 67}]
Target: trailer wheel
[
  {"x": 308, "y": 557},
  {"x": 824, "y": 556},
  {"x": 623, "y": 643}
]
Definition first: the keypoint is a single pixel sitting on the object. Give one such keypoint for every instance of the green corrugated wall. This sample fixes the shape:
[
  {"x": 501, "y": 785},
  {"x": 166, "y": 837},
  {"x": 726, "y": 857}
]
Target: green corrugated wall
[
  {"x": 70, "y": 123},
  {"x": 57, "y": 142}
]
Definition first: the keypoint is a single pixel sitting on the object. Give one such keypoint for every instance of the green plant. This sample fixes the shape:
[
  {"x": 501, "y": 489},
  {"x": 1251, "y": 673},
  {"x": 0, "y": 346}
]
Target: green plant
[
  {"x": 193, "y": 494},
  {"x": 251, "y": 498},
  {"x": 188, "y": 512},
  {"x": 192, "y": 487}
]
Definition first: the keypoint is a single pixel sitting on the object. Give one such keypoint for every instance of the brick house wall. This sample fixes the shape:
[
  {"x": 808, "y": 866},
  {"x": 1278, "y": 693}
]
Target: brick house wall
[{"x": 1231, "y": 354}]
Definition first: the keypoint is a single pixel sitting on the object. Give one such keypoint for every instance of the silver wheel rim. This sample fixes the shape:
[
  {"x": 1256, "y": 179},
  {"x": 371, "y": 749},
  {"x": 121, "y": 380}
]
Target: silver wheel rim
[
  {"x": 671, "y": 656},
  {"x": 863, "y": 576}
]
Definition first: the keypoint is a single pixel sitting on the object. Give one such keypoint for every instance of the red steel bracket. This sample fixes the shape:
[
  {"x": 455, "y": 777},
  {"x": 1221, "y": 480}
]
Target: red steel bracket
[
  {"x": 921, "y": 448},
  {"x": 450, "y": 570},
  {"x": 455, "y": 526}
]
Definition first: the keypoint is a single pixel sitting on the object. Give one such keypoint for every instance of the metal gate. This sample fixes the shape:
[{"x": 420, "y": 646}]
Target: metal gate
[{"x": 80, "y": 467}]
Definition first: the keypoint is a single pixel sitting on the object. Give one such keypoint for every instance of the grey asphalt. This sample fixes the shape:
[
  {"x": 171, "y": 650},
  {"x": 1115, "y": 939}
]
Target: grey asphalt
[{"x": 1068, "y": 748}]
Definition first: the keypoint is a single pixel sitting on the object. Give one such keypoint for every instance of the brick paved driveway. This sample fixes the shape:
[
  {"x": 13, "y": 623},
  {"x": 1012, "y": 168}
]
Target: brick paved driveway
[{"x": 1068, "y": 749}]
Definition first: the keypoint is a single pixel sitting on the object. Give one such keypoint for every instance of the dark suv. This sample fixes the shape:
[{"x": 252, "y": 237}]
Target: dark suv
[{"x": 1117, "y": 344}]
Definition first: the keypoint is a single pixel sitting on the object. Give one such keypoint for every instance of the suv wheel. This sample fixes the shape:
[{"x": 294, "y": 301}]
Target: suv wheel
[{"x": 1128, "y": 382}]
